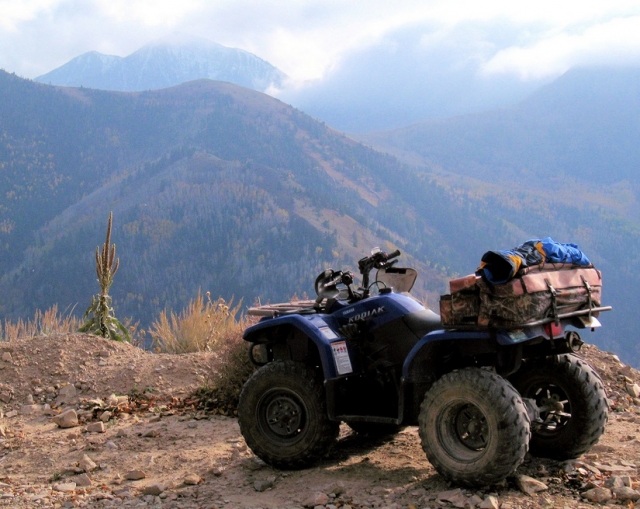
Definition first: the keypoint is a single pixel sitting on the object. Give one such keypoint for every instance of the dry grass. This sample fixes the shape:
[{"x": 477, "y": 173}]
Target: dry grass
[
  {"x": 213, "y": 326},
  {"x": 198, "y": 328},
  {"x": 220, "y": 393},
  {"x": 43, "y": 324}
]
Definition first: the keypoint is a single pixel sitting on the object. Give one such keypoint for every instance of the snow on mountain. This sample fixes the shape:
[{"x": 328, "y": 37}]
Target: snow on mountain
[{"x": 166, "y": 62}]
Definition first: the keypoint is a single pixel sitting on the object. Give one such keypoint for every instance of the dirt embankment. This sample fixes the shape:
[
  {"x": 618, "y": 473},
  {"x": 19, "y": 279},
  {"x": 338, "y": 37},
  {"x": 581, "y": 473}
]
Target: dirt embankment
[{"x": 153, "y": 448}]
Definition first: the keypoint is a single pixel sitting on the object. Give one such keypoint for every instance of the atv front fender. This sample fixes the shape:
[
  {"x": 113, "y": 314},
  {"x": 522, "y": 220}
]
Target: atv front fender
[{"x": 303, "y": 338}]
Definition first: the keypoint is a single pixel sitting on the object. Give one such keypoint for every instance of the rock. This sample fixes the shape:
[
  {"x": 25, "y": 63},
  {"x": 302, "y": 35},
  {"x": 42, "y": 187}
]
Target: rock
[
  {"x": 5, "y": 396},
  {"x": 598, "y": 495},
  {"x": 67, "y": 394},
  {"x": 454, "y": 497},
  {"x": 317, "y": 498},
  {"x": 65, "y": 487},
  {"x": 474, "y": 500},
  {"x": 67, "y": 419},
  {"x": 529, "y": 485},
  {"x": 152, "y": 433},
  {"x": 105, "y": 416},
  {"x": 633, "y": 390},
  {"x": 490, "y": 502},
  {"x": 626, "y": 494},
  {"x": 125, "y": 492},
  {"x": 11, "y": 414},
  {"x": 154, "y": 489},
  {"x": 6, "y": 357},
  {"x": 135, "y": 475},
  {"x": 111, "y": 445},
  {"x": 262, "y": 485},
  {"x": 217, "y": 471},
  {"x": 336, "y": 489},
  {"x": 30, "y": 409},
  {"x": 192, "y": 479},
  {"x": 96, "y": 427},
  {"x": 83, "y": 480},
  {"x": 614, "y": 482},
  {"x": 87, "y": 464}
]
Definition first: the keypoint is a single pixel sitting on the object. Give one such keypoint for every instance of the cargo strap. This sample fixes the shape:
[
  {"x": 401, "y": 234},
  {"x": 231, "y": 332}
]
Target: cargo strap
[
  {"x": 589, "y": 296},
  {"x": 554, "y": 302}
]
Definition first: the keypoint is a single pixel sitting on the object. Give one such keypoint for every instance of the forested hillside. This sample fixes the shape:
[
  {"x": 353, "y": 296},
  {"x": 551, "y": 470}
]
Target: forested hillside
[
  {"x": 565, "y": 163},
  {"x": 213, "y": 187},
  {"x": 219, "y": 188}
]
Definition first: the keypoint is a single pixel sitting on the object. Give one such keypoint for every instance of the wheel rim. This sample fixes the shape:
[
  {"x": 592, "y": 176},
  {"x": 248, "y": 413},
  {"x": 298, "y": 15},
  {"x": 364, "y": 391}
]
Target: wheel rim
[
  {"x": 282, "y": 416},
  {"x": 463, "y": 431},
  {"x": 471, "y": 427},
  {"x": 554, "y": 407}
]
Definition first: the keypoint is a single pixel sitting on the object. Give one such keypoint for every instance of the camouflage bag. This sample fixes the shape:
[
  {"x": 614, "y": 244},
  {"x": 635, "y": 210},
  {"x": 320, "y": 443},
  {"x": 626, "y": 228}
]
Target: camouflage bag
[{"x": 537, "y": 293}]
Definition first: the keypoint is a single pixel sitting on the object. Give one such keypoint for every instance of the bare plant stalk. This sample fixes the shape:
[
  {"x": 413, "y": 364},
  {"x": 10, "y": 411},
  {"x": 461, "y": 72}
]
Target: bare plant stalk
[{"x": 99, "y": 316}]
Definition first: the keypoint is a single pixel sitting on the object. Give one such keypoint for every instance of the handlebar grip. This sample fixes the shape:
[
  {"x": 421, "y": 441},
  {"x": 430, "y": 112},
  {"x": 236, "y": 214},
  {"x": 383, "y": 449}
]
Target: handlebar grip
[{"x": 395, "y": 254}]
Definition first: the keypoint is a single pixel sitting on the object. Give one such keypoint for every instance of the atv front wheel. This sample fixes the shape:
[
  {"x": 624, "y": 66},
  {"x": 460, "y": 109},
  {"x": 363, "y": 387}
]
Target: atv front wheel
[
  {"x": 474, "y": 427},
  {"x": 572, "y": 403},
  {"x": 282, "y": 415}
]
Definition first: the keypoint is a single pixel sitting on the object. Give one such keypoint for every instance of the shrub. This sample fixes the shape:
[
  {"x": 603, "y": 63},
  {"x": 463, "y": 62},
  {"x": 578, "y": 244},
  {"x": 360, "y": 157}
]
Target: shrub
[
  {"x": 200, "y": 326},
  {"x": 231, "y": 369},
  {"x": 206, "y": 325}
]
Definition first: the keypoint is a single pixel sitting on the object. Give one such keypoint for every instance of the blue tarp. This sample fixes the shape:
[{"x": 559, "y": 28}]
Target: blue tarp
[{"x": 498, "y": 267}]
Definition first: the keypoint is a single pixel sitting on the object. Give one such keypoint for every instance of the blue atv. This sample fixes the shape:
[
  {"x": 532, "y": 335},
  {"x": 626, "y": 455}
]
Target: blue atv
[{"x": 376, "y": 359}]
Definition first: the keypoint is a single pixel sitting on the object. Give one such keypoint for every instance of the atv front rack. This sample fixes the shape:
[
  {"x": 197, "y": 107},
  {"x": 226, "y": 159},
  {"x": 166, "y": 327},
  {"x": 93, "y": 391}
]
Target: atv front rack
[{"x": 303, "y": 307}]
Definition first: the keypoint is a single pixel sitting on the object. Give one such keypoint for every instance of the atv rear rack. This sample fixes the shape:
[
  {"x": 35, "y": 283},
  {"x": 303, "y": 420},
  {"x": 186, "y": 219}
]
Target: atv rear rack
[{"x": 543, "y": 321}]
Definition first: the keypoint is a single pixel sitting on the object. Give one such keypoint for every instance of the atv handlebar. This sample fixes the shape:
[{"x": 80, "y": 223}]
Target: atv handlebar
[
  {"x": 326, "y": 283},
  {"x": 378, "y": 260}
]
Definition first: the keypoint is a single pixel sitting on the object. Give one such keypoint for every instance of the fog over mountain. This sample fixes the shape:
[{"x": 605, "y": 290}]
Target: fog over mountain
[
  {"x": 408, "y": 76},
  {"x": 168, "y": 61},
  {"x": 413, "y": 75}
]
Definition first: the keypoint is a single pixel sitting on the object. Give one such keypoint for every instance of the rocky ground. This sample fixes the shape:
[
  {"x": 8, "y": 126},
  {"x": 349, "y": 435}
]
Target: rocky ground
[{"x": 139, "y": 441}]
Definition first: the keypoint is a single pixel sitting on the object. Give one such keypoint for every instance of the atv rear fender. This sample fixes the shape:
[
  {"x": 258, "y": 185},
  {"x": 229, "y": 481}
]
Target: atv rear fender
[{"x": 442, "y": 351}]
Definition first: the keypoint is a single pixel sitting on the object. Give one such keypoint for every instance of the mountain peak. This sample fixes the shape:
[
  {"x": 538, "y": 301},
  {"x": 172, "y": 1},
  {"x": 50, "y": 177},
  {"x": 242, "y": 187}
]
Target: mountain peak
[{"x": 165, "y": 62}]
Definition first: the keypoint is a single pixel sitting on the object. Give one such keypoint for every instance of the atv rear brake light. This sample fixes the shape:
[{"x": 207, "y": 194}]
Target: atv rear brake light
[{"x": 553, "y": 329}]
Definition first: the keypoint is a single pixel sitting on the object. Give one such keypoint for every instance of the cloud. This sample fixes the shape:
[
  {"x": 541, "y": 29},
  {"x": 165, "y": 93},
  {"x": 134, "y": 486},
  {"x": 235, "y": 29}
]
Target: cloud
[
  {"x": 307, "y": 39},
  {"x": 362, "y": 60},
  {"x": 615, "y": 42},
  {"x": 416, "y": 73}
]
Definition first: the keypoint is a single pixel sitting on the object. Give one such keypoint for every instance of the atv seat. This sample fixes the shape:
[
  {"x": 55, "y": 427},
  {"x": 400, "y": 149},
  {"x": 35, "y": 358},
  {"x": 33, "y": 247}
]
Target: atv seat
[{"x": 422, "y": 322}]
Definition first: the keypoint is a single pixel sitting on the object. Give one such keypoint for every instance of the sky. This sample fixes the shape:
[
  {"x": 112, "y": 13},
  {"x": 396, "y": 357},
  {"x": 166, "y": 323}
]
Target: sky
[
  {"x": 327, "y": 45},
  {"x": 309, "y": 38}
]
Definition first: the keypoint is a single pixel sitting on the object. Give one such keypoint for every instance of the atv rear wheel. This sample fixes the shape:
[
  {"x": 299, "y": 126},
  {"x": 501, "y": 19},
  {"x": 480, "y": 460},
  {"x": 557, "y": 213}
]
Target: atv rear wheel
[
  {"x": 474, "y": 427},
  {"x": 282, "y": 415},
  {"x": 572, "y": 403}
]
